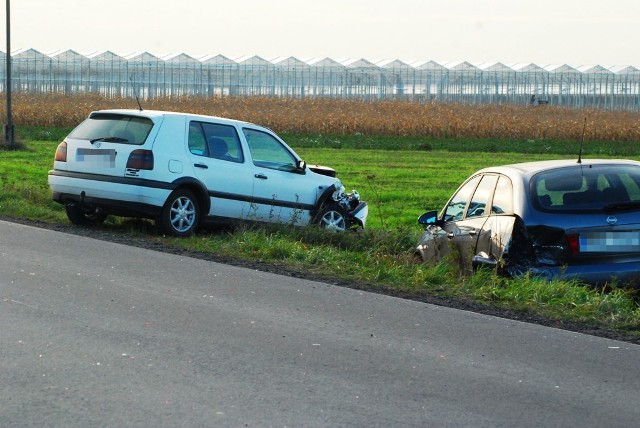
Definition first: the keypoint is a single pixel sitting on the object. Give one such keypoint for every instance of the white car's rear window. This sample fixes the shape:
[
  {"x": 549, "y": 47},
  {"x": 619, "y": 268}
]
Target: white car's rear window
[{"x": 115, "y": 128}]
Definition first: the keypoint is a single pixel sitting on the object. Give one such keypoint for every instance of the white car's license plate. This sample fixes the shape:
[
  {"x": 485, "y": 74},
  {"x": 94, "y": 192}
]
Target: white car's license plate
[
  {"x": 104, "y": 158},
  {"x": 607, "y": 242}
]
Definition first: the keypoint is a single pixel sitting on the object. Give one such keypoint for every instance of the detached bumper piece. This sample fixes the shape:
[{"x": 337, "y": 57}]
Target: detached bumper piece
[
  {"x": 360, "y": 214},
  {"x": 356, "y": 209}
]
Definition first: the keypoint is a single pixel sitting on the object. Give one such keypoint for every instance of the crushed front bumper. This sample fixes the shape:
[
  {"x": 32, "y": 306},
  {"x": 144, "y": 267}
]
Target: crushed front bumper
[
  {"x": 360, "y": 213},
  {"x": 356, "y": 209}
]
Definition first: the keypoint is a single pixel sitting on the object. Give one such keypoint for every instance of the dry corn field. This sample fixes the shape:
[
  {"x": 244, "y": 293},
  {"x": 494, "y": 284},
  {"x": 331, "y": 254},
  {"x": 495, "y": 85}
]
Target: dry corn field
[{"x": 331, "y": 116}]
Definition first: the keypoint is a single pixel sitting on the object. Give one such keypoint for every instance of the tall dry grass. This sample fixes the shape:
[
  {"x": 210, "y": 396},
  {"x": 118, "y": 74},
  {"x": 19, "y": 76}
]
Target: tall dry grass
[{"x": 331, "y": 116}]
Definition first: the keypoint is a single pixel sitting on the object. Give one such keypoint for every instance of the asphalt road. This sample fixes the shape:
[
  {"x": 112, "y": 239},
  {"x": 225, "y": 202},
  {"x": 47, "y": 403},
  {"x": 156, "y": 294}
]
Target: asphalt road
[{"x": 95, "y": 334}]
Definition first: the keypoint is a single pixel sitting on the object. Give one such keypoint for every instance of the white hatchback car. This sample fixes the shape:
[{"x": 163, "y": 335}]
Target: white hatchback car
[{"x": 183, "y": 170}]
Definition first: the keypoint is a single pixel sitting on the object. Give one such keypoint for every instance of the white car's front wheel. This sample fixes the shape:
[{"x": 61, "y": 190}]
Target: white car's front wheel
[
  {"x": 332, "y": 217},
  {"x": 180, "y": 214}
]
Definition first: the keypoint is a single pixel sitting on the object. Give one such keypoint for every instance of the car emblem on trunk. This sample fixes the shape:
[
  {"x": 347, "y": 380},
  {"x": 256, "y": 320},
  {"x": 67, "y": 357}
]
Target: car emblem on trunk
[{"x": 612, "y": 220}]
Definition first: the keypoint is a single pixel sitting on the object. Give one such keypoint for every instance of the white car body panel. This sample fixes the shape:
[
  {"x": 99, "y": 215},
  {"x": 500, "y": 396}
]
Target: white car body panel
[
  {"x": 94, "y": 171},
  {"x": 110, "y": 190}
]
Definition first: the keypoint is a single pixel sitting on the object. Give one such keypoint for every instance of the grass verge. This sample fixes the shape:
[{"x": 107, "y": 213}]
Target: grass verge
[
  {"x": 379, "y": 257},
  {"x": 382, "y": 260}
]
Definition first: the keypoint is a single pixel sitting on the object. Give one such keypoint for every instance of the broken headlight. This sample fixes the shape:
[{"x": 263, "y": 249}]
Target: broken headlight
[{"x": 348, "y": 201}]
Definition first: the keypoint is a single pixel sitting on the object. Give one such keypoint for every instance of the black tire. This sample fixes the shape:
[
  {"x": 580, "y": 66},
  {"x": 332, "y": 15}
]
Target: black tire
[
  {"x": 84, "y": 216},
  {"x": 332, "y": 217},
  {"x": 180, "y": 214}
]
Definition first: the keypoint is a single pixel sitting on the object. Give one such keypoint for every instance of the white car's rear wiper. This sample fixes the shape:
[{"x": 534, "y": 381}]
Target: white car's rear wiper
[
  {"x": 109, "y": 139},
  {"x": 622, "y": 206}
]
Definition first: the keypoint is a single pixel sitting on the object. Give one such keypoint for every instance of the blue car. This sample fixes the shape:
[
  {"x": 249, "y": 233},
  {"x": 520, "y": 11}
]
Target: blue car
[{"x": 563, "y": 219}]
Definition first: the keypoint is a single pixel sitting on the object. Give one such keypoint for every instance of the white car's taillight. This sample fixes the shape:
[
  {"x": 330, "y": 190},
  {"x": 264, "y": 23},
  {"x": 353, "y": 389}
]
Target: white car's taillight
[
  {"x": 140, "y": 159},
  {"x": 61, "y": 152}
]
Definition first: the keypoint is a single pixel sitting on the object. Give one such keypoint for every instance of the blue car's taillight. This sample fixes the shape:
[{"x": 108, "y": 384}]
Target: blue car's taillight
[{"x": 574, "y": 244}]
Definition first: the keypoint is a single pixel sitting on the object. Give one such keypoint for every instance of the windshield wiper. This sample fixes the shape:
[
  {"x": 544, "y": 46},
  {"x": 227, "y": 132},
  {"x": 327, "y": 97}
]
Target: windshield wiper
[
  {"x": 109, "y": 139},
  {"x": 622, "y": 206}
]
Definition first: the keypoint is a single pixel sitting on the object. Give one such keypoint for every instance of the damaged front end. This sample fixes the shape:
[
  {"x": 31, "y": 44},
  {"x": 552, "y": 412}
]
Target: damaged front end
[
  {"x": 338, "y": 210},
  {"x": 355, "y": 209}
]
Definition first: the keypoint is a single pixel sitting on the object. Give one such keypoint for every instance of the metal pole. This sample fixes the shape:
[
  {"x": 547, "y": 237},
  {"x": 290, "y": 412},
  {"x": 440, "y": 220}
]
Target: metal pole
[{"x": 8, "y": 128}]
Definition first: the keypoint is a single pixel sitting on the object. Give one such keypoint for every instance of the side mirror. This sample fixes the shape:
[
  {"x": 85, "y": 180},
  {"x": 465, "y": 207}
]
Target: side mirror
[
  {"x": 301, "y": 166},
  {"x": 428, "y": 218},
  {"x": 482, "y": 260}
]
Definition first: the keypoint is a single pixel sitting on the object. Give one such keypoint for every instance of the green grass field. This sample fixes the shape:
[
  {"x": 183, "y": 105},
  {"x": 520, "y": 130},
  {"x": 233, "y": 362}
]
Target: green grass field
[
  {"x": 400, "y": 178},
  {"x": 399, "y": 184}
]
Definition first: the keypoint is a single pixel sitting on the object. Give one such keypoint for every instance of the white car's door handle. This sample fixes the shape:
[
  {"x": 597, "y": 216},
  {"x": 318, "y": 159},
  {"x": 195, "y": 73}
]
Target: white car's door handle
[
  {"x": 200, "y": 165},
  {"x": 261, "y": 176}
]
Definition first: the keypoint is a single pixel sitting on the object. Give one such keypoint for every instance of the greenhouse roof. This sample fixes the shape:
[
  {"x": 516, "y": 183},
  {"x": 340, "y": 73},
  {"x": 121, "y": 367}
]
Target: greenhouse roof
[
  {"x": 26, "y": 53},
  {"x": 289, "y": 62},
  {"x": 494, "y": 66},
  {"x": 527, "y": 68},
  {"x": 392, "y": 64},
  {"x": 428, "y": 65},
  {"x": 217, "y": 59},
  {"x": 460, "y": 66},
  {"x": 252, "y": 60},
  {"x": 564, "y": 68},
  {"x": 142, "y": 56},
  {"x": 358, "y": 63},
  {"x": 624, "y": 69},
  {"x": 179, "y": 58},
  {"x": 66, "y": 54},
  {"x": 593, "y": 69},
  {"x": 293, "y": 62},
  {"x": 105, "y": 56},
  {"x": 324, "y": 62}
]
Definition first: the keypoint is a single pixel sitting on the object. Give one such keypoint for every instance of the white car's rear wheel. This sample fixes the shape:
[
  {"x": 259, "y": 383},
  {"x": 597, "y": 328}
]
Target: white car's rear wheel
[
  {"x": 181, "y": 214},
  {"x": 84, "y": 216}
]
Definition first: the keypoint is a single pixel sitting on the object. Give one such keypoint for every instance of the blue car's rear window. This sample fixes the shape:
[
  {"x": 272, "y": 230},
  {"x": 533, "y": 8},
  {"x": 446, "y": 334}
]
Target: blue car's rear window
[{"x": 587, "y": 187}]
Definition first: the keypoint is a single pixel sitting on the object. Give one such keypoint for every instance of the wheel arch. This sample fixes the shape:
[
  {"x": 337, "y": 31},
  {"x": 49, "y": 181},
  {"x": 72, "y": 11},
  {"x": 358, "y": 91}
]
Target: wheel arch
[
  {"x": 199, "y": 190},
  {"x": 324, "y": 196}
]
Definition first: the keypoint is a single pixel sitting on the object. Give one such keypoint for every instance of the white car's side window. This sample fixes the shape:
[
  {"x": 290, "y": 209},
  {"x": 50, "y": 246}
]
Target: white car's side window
[
  {"x": 268, "y": 152},
  {"x": 215, "y": 140}
]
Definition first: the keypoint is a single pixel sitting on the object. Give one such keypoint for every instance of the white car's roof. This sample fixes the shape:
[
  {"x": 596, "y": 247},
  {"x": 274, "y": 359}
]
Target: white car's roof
[{"x": 160, "y": 113}]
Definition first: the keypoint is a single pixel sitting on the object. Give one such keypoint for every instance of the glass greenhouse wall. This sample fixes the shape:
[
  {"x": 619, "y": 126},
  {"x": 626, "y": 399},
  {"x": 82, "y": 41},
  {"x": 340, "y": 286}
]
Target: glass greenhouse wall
[{"x": 109, "y": 74}]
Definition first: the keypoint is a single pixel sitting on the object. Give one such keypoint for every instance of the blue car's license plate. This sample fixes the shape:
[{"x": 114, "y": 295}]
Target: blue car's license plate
[{"x": 608, "y": 242}]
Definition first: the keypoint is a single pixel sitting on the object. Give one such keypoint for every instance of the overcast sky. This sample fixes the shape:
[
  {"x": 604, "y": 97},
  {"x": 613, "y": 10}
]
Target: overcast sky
[{"x": 574, "y": 32}]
